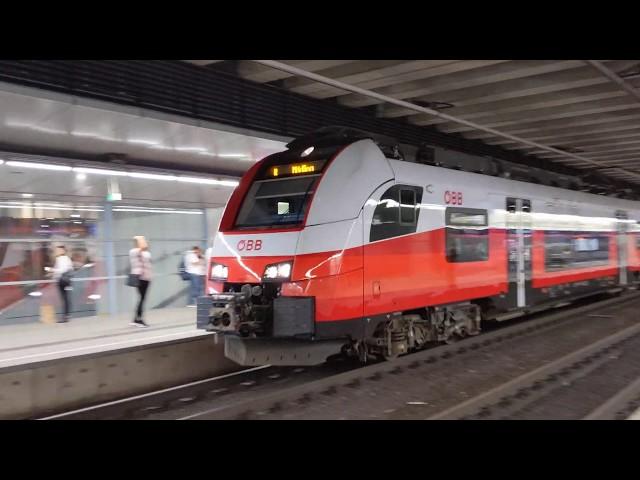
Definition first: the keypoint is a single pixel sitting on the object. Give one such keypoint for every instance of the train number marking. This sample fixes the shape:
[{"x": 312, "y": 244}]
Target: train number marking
[
  {"x": 249, "y": 245},
  {"x": 452, "y": 198}
]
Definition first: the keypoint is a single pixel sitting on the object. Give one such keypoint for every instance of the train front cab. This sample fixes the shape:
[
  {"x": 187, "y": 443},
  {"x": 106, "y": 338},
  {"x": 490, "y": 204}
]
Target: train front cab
[{"x": 285, "y": 280}]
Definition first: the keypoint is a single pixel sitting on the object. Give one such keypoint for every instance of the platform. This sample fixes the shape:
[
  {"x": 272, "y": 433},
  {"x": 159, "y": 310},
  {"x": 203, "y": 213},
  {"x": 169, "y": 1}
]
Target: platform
[{"x": 38, "y": 342}]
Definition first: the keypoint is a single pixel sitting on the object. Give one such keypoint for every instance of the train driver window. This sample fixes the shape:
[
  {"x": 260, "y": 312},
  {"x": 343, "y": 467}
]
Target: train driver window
[
  {"x": 467, "y": 235},
  {"x": 396, "y": 213},
  {"x": 407, "y": 206}
]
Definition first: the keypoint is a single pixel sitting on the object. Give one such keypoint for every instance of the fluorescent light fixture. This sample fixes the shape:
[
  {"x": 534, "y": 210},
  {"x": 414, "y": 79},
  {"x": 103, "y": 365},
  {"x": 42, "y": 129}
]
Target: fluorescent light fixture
[
  {"x": 95, "y": 296},
  {"x": 191, "y": 149},
  {"x": 77, "y": 222},
  {"x": 39, "y": 166},
  {"x": 81, "y": 176},
  {"x": 142, "y": 141},
  {"x": 75, "y": 215},
  {"x": 141, "y": 210},
  {"x": 146, "y": 208},
  {"x": 35, "y": 294},
  {"x": 99, "y": 171},
  {"x": 94, "y": 135},
  {"x": 208, "y": 181},
  {"x": 151, "y": 176},
  {"x": 77, "y": 209},
  {"x": 27, "y": 195},
  {"x": 232, "y": 155}
]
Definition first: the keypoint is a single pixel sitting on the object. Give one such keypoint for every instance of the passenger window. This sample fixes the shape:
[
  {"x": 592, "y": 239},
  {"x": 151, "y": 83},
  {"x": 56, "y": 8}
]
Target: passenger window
[
  {"x": 564, "y": 250},
  {"x": 397, "y": 213},
  {"x": 467, "y": 235}
]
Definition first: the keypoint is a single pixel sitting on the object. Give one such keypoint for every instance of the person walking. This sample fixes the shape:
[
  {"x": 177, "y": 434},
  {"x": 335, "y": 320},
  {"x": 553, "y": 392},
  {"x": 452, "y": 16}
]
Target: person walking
[
  {"x": 140, "y": 267},
  {"x": 62, "y": 269},
  {"x": 195, "y": 264}
]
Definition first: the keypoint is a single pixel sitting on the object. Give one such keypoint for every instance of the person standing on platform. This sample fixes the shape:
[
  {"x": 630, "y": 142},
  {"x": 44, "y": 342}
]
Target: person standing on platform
[
  {"x": 140, "y": 263},
  {"x": 62, "y": 270},
  {"x": 195, "y": 265}
]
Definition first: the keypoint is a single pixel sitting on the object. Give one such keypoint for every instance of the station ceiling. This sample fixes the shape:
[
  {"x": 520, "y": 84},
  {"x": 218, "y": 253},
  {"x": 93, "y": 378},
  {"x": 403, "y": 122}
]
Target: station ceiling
[
  {"x": 40, "y": 121},
  {"x": 584, "y": 114}
]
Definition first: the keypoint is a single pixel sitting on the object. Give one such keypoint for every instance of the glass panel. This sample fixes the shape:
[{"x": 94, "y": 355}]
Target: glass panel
[
  {"x": 564, "y": 250},
  {"x": 29, "y": 235},
  {"x": 276, "y": 202},
  {"x": 386, "y": 221}
]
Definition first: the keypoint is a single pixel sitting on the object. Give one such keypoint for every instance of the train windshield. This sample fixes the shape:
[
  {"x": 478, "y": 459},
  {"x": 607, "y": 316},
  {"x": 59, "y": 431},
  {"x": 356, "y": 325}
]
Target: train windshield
[{"x": 277, "y": 202}]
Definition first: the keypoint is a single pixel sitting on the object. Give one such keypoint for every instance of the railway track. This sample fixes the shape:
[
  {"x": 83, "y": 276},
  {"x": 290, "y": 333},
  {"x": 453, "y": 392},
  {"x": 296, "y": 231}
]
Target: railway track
[{"x": 450, "y": 380}]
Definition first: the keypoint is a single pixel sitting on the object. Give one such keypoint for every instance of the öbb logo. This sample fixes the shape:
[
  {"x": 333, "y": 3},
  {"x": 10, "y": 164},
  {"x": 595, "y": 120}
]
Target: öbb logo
[
  {"x": 247, "y": 245},
  {"x": 453, "y": 198}
]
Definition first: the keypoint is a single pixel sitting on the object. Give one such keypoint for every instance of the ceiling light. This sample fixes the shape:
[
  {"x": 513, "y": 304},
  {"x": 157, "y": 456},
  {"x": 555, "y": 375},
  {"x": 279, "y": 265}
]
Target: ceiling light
[
  {"x": 232, "y": 155},
  {"x": 27, "y": 195},
  {"x": 40, "y": 166},
  {"x": 81, "y": 176},
  {"x": 1, "y": 161},
  {"x": 151, "y": 176},
  {"x": 141, "y": 210},
  {"x": 99, "y": 171},
  {"x": 143, "y": 142},
  {"x": 208, "y": 181},
  {"x": 191, "y": 149},
  {"x": 75, "y": 215}
]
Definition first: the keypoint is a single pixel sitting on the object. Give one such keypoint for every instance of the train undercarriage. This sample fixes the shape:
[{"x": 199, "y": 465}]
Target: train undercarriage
[{"x": 262, "y": 321}]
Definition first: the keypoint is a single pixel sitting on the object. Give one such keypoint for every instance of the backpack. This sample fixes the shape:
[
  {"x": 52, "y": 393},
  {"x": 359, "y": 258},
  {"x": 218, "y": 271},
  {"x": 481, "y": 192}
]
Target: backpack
[{"x": 182, "y": 270}]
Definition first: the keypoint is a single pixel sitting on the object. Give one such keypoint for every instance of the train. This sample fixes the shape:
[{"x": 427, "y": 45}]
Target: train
[{"x": 337, "y": 247}]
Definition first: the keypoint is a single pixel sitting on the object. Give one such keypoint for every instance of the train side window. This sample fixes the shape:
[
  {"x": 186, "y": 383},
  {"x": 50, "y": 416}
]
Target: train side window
[
  {"x": 564, "y": 249},
  {"x": 407, "y": 206},
  {"x": 467, "y": 235},
  {"x": 397, "y": 213}
]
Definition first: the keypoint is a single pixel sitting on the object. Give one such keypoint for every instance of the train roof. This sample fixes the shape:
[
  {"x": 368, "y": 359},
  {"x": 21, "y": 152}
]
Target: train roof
[{"x": 337, "y": 136}]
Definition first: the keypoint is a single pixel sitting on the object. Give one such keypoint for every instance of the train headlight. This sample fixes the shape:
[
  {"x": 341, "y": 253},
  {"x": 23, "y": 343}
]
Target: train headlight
[
  {"x": 219, "y": 271},
  {"x": 277, "y": 271}
]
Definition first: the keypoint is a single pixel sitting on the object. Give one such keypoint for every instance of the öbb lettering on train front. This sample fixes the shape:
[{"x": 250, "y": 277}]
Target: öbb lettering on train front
[{"x": 248, "y": 245}]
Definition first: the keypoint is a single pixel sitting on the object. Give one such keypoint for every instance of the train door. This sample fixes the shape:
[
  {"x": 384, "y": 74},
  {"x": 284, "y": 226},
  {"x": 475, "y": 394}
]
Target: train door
[
  {"x": 622, "y": 244},
  {"x": 518, "y": 225}
]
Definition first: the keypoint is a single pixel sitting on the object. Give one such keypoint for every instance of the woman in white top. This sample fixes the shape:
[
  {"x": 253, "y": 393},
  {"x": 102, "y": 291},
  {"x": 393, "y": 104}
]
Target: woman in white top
[
  {"x": 62, "y": 266},
  {"x": 140, "y": 262}
]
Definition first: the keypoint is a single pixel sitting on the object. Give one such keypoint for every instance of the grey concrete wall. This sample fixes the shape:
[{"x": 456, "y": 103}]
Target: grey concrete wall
[{"x": 50, "y": 387}]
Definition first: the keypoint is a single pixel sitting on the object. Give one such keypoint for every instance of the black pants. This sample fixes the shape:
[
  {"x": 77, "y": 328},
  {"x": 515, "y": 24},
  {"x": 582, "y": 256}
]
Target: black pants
[
  {"x": 143, "y": 285},
  {"x": 66, "y": 300}
]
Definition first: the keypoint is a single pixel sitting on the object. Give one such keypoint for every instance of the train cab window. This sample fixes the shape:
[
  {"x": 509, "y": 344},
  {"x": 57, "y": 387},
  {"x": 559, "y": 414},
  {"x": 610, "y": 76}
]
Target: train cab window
[
  {"x": 276, "y": 202},
  {"x": 467, "y": 235},
  {"x": 396, "y": 213},
  {"x": 407, "y": 206}
]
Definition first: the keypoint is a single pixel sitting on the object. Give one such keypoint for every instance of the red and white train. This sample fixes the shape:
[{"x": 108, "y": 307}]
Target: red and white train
[{"x": 332, "y": 247}]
